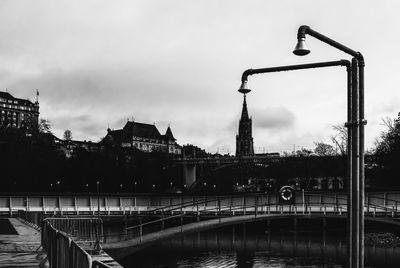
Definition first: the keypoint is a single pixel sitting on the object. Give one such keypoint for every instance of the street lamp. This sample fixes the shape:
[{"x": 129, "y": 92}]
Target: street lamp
[
  {"x": 349, "y": 68},
  {"x": 355, "y": 144}
]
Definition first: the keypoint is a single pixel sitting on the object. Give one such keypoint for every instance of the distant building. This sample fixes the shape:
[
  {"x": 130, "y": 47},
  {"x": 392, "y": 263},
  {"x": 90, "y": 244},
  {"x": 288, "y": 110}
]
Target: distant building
[
  {"x": 144, "y": 137},
  {"x": 18, "y": 113},
  {"x": 244, "y": 140}
]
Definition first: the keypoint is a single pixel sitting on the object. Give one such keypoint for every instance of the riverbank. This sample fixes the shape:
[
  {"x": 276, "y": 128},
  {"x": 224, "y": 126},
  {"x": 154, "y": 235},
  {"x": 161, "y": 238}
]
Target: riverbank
[{"x": 381, "y": 240}]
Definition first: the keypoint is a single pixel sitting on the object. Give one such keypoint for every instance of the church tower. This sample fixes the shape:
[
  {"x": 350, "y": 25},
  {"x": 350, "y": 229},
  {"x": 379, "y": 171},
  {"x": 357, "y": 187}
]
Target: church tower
[{"x": 244, "y": 140}]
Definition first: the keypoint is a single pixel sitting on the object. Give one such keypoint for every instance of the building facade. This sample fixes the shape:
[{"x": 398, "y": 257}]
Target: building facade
[
  {"x": 244, "y": 139},
  {"x": 144, "y": 137},
  {"x": 18, "y": 113}
]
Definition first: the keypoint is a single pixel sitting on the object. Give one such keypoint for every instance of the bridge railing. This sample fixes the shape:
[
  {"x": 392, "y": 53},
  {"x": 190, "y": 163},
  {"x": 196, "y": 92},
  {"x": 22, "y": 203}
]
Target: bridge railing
[
  {"x": 218, "y": 207},
  {"x": 62, "y": 251},
  {"x": 133, "y": 204},
  {"x": 81, "y": 229},
  {"x": 307, "y": 200},
  {"x": 229, "y": 206}
]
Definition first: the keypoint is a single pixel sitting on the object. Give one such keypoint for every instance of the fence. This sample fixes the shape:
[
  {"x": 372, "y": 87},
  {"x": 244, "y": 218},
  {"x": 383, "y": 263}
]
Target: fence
[
  {"x": 62, "y": 251},
  {"x": 69, "y": 204},
  {"x": 82, "y": 229}
]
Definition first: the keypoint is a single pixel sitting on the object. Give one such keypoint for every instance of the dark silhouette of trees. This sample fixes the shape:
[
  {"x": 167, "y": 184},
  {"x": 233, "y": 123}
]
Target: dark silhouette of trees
[
  {"x": 387, "y": 152},
  {"x": 36, "y": 163},
  {"x": 44, "y": 126},
  {"x": 324, "y": 149}
]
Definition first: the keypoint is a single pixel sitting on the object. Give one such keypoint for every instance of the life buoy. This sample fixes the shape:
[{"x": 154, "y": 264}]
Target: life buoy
[{"x": 286, "y": 193}]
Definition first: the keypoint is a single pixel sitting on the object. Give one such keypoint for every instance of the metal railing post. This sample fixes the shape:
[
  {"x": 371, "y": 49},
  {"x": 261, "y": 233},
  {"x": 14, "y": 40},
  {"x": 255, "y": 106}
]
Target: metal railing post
[
  {"x": 181, "y": 219},
  {"x": 162, "y": 219},
  {"x": 219, "y": 210},
  {"x": 140, "y": 230},
  {"x": 256, "y": 207}
]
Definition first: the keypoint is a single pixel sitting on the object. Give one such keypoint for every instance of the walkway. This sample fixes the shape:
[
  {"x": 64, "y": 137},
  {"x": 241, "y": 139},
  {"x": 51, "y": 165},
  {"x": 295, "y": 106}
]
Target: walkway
[{"x": 19, "y": 250}]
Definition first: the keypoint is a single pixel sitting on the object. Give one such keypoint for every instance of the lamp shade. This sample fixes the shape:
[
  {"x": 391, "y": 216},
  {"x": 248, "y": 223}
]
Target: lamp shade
[
  {"x": 301, "y": 48},
  {"x": 243, "y": 88}
]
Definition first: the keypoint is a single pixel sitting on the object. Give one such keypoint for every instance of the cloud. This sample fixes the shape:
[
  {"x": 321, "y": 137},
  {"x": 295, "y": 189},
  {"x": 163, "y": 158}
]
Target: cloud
[
  {"x": 180, "y": 63},
  {"x": 273, "y": 118},
  {"x": 82, "y": 126},
  {"x": 389, "y": 106}
]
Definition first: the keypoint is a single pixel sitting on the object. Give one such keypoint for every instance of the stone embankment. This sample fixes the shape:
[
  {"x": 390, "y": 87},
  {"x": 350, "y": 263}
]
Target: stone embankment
[{"x": 382, "y": 240}]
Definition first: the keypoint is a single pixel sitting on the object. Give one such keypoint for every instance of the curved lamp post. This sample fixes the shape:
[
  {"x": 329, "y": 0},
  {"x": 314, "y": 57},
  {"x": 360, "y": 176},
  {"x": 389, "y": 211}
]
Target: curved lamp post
[{"x": 355, "y": 144}]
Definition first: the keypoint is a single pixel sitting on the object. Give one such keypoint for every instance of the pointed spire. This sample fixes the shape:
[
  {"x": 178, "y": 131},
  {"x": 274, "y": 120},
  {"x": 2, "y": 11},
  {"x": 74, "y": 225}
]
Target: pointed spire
[
  {"x": 245, "y": 114},
  {"x": 168, "y": 134}
]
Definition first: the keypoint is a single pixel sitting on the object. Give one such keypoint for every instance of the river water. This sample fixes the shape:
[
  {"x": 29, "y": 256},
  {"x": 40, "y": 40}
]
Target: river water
[{"x": 262, "y": 244}]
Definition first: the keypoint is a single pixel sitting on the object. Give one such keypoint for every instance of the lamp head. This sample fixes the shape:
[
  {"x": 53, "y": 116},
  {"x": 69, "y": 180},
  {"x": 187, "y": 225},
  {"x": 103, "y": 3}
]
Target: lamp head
[
  {"x": 243, "y": 88},
  {"x": 301, "y": 48}
]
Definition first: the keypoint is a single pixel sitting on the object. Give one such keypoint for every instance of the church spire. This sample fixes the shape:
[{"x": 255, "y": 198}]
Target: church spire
[
  {"x": 245, "y": 113},
  {"x": 244, "y": 139}
]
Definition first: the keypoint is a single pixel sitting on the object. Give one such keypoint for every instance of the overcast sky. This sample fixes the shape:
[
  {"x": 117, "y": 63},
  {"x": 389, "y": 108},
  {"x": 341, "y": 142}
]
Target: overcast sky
[{"x": 179, "y": 62}]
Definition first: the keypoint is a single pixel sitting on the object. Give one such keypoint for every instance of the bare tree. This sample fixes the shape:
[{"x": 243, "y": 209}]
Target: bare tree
[
  {"x": 389, "y": 139},
  {"x": 67, "y": 135},
  {"x": 340, "y": 138}
]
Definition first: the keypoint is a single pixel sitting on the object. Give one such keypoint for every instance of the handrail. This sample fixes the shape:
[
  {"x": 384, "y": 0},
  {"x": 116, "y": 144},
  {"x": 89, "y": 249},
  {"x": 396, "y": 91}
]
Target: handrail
[
  {"x": 150, "y": 222},
  {"x": 196, "y": 203},
  {"x": 63, "y": 251},
  {"x": 221, "y": 210},
  {"x": 203, "y": 201}
]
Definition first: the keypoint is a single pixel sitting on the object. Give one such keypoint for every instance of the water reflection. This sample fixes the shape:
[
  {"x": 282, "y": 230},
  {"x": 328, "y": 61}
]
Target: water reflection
[{"x": 252, "y": 245}]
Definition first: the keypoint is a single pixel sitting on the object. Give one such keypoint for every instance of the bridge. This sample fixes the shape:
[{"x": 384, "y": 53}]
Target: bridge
[
  {"x": 189, "y": 217},
  {"x": 137, "y": 204},
  {"x": 191, "y": 164},
  {"x": 157, "y": 218}
]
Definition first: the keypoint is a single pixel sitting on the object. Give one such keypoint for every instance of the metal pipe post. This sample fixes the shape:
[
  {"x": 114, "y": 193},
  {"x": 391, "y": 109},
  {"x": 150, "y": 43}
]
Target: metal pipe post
[
  {"x": 349, "y": 165},
  {"x": 294, "y": 67},
  {"x": 355, "y": 243},
  {"x": 356, "y": 142},
  {"x": 304, "y": 29},
  {"x": 362, "y": 122}
]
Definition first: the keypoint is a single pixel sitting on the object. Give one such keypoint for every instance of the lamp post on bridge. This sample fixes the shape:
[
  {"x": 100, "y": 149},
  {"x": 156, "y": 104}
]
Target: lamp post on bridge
[{"x": 355, "y": 144}]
